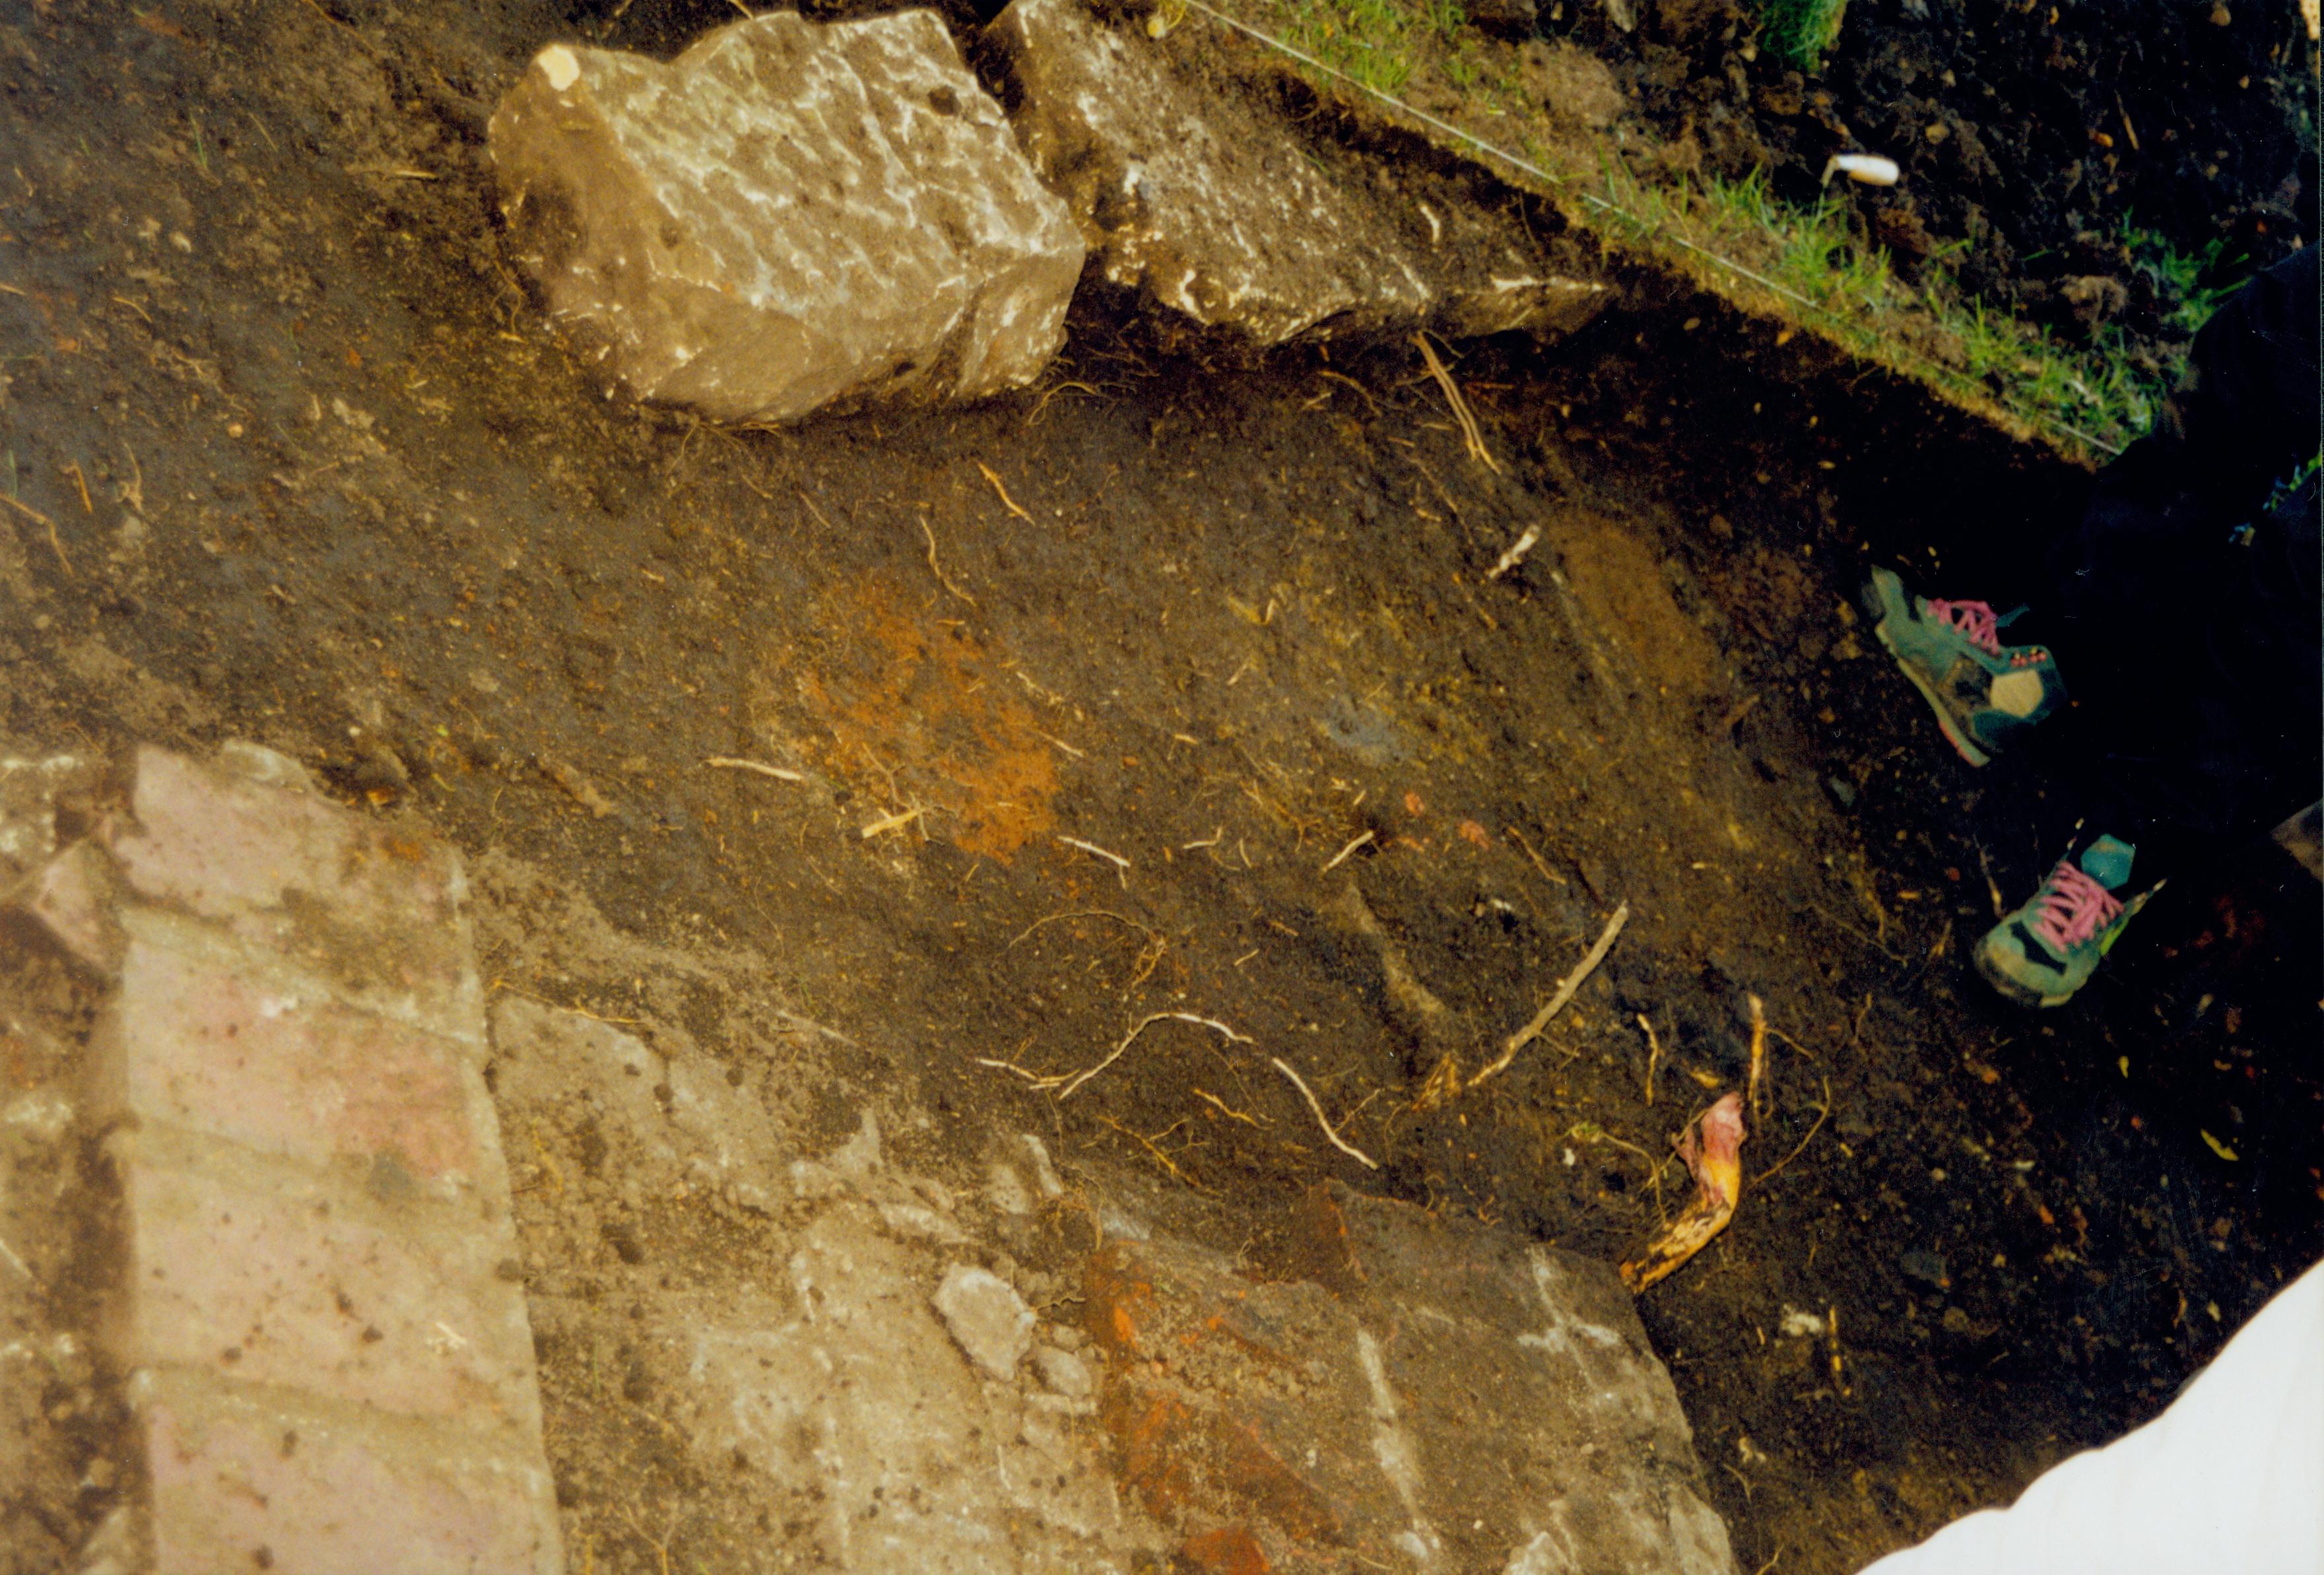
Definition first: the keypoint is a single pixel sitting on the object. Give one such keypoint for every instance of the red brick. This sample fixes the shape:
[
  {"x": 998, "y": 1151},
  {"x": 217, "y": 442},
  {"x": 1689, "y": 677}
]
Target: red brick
[
  {"x": 251, "y": 1271},
  {"x": 274, "y": 1062},
  {"x": 241, "y": 1483},
  {"x": 376, "y": 907}
]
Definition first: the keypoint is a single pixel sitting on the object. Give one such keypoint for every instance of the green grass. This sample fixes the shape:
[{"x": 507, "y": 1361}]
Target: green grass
[
  {"x": 1376, "y": 42},
  {"x": 1799, "y": 32},
  {"x": 1825, "y": 274},
  {"x": 1930, "y": 329},
  {"x": 2191, "y": 284}
]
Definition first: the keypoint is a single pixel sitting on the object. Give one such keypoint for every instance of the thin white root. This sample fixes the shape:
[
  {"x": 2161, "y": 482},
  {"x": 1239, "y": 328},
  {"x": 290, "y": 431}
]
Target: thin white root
[
  {"x": 1557, "y": 1002},
  {"x": 888, "y": 823},
  {"x": 1120, "y": 865},
  {"x": 1516, "y": 554},
  {"x": 730, "y": 763},
  {"x": 1068, "y": 1084},
  {"x": 1341, "y": 857},
  {"x": 1336, "y": 1141}
]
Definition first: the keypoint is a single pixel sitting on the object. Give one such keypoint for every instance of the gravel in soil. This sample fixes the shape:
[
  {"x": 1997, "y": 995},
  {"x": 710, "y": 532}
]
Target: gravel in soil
[{"x": 1084, "y": 690}]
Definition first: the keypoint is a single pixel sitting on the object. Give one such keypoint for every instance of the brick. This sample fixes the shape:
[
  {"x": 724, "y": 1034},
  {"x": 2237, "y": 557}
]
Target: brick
[
  {"x": 244, "y": 1481},
  {"x": 363, "y": 1290},
  {"x": 232, "y": 1050},
  {"x": 375, "y": 906}
]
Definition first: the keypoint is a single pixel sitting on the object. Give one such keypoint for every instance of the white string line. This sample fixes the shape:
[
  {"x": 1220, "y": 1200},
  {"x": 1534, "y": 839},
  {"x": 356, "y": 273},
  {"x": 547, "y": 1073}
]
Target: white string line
[{"x": 1591, "y": 198}]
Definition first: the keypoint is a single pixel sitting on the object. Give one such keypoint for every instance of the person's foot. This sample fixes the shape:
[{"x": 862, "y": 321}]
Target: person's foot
[
  {"x": 1985, "y": 694},
  {"x": 2047, "y": 950}
]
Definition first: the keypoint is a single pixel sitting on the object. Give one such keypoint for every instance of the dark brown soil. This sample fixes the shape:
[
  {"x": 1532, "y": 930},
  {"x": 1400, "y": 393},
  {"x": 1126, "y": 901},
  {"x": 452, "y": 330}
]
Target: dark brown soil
[
  {"x": 2034, "y": 137},
  {"x": 344, "y": 494}
]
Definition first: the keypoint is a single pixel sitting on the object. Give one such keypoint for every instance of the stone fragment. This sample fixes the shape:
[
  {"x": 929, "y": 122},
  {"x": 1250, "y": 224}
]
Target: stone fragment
[
  {"x": 1238, "y": 220},
  {"x": 71, "y": 899},
  {"x": 1064, "y": 1372},
  {"x": 986, "y": 1316},
  {"x": 264, "y": 1275},
  {"x": 373, "y": 907},
  {"x": 789, "y": 216}
]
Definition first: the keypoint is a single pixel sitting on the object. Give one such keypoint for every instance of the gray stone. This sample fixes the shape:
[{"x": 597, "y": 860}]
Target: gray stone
[
  {"x": 1239, "y": 220},
  {"x": 789, "y": 216},
  {"x": 986, "y": 1316},
  {"x": 1064, "y": 1372}
]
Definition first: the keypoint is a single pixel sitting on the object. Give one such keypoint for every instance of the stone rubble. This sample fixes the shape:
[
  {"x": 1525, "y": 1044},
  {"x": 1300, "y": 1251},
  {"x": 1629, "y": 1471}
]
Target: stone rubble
[
  {"x": 1234, "y": 219},
  {"x": 789, "y": 216},
  {"x": 987, "y": 1317}
]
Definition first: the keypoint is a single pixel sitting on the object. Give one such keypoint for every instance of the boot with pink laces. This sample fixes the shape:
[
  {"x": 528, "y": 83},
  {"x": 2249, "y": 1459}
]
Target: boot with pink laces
[
  {"x": 1985, "y": 694},
  {"x": 2047, "y": 950}
]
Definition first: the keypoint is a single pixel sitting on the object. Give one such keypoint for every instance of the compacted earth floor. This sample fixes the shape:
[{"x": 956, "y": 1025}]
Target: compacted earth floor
[{"x": 1132, "y": 695}]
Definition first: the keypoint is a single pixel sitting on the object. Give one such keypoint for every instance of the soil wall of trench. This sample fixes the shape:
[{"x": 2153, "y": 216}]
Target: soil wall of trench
[{"x": 308, "y": 469}]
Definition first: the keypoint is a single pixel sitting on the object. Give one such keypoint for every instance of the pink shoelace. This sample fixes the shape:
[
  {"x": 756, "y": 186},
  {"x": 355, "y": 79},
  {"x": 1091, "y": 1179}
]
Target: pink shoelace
[
  {"x": 1975, "y": 620},
  {"x": 2074, "y": 907}
]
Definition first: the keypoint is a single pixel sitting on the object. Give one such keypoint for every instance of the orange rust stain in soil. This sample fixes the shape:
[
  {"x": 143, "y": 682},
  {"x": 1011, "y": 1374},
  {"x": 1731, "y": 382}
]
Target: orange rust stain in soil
[
  {"x": 926, "y": 713},
  {"x": 1228, "y": 1551}
]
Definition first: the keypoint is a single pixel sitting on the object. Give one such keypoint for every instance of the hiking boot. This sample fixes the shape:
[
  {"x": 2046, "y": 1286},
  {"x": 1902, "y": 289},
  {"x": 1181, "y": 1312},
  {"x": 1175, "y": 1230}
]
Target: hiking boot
[
  {"x": 2047, "y": 950},
  {"x": 1985, "y": 693}
]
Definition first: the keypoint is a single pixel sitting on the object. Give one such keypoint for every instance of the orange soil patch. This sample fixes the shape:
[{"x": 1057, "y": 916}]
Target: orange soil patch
[{"x": 923, "y": 716}]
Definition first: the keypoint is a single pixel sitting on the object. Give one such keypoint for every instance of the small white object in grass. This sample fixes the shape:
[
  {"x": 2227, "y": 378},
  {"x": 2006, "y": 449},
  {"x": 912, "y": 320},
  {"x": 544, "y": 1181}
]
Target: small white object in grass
[
  {"x": 1799, "y": 1325},
  {"x": 1870, "y": 169},
  {"x": 559, "y": 65}
]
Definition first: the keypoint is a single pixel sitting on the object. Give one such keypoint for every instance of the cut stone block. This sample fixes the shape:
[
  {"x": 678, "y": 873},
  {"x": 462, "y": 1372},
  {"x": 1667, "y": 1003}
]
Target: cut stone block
[
  {"x": 329, "y": 1363},
  {"x": 271, "y": 1061},
  {"x": 1185, "y": 190},
  {"x": 251, "y": 1481},
  {"x": 373, "y": 907},
  {"x": 366, "y": 1293},
  {"x": 789, "y": 216},
  {"x": 1465, "y": 1400}
]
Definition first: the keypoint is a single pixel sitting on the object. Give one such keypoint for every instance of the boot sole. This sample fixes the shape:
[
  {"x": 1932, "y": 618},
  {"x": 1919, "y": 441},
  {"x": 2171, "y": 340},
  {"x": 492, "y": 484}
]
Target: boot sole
[
  {"x": 2010, "y": 991},
  {"x": 1945, "y": 723}
]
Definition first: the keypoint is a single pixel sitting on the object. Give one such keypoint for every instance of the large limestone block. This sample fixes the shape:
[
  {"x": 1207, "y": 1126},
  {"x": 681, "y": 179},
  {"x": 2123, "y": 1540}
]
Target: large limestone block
[
  {"x": 788, "y": 216},
  {"x": 1187, "y": 189}
]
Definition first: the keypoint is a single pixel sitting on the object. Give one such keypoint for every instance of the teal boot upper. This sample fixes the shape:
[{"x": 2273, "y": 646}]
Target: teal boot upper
[
  {"x": 2047, "y": 950},
  {"x": 1986, "y": 693}
]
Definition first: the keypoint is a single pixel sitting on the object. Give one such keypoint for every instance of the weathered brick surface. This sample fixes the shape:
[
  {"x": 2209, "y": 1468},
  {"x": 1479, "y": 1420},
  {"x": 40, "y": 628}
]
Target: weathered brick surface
[
  {"x": 244, "y": 1479},
  {"x": 231, "y": 1048},
  {"x": 374, "y": 909},
  {"x": 361, "y": 1290},
  {"x": 329, "y": 1371},
  {"x": 1460, "y": 1395}
]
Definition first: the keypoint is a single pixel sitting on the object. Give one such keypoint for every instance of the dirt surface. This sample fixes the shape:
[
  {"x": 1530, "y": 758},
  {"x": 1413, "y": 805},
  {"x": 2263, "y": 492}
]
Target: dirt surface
[
  {"x": 2035, "y": 139},
  {"x": 305, "y": 467}
]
